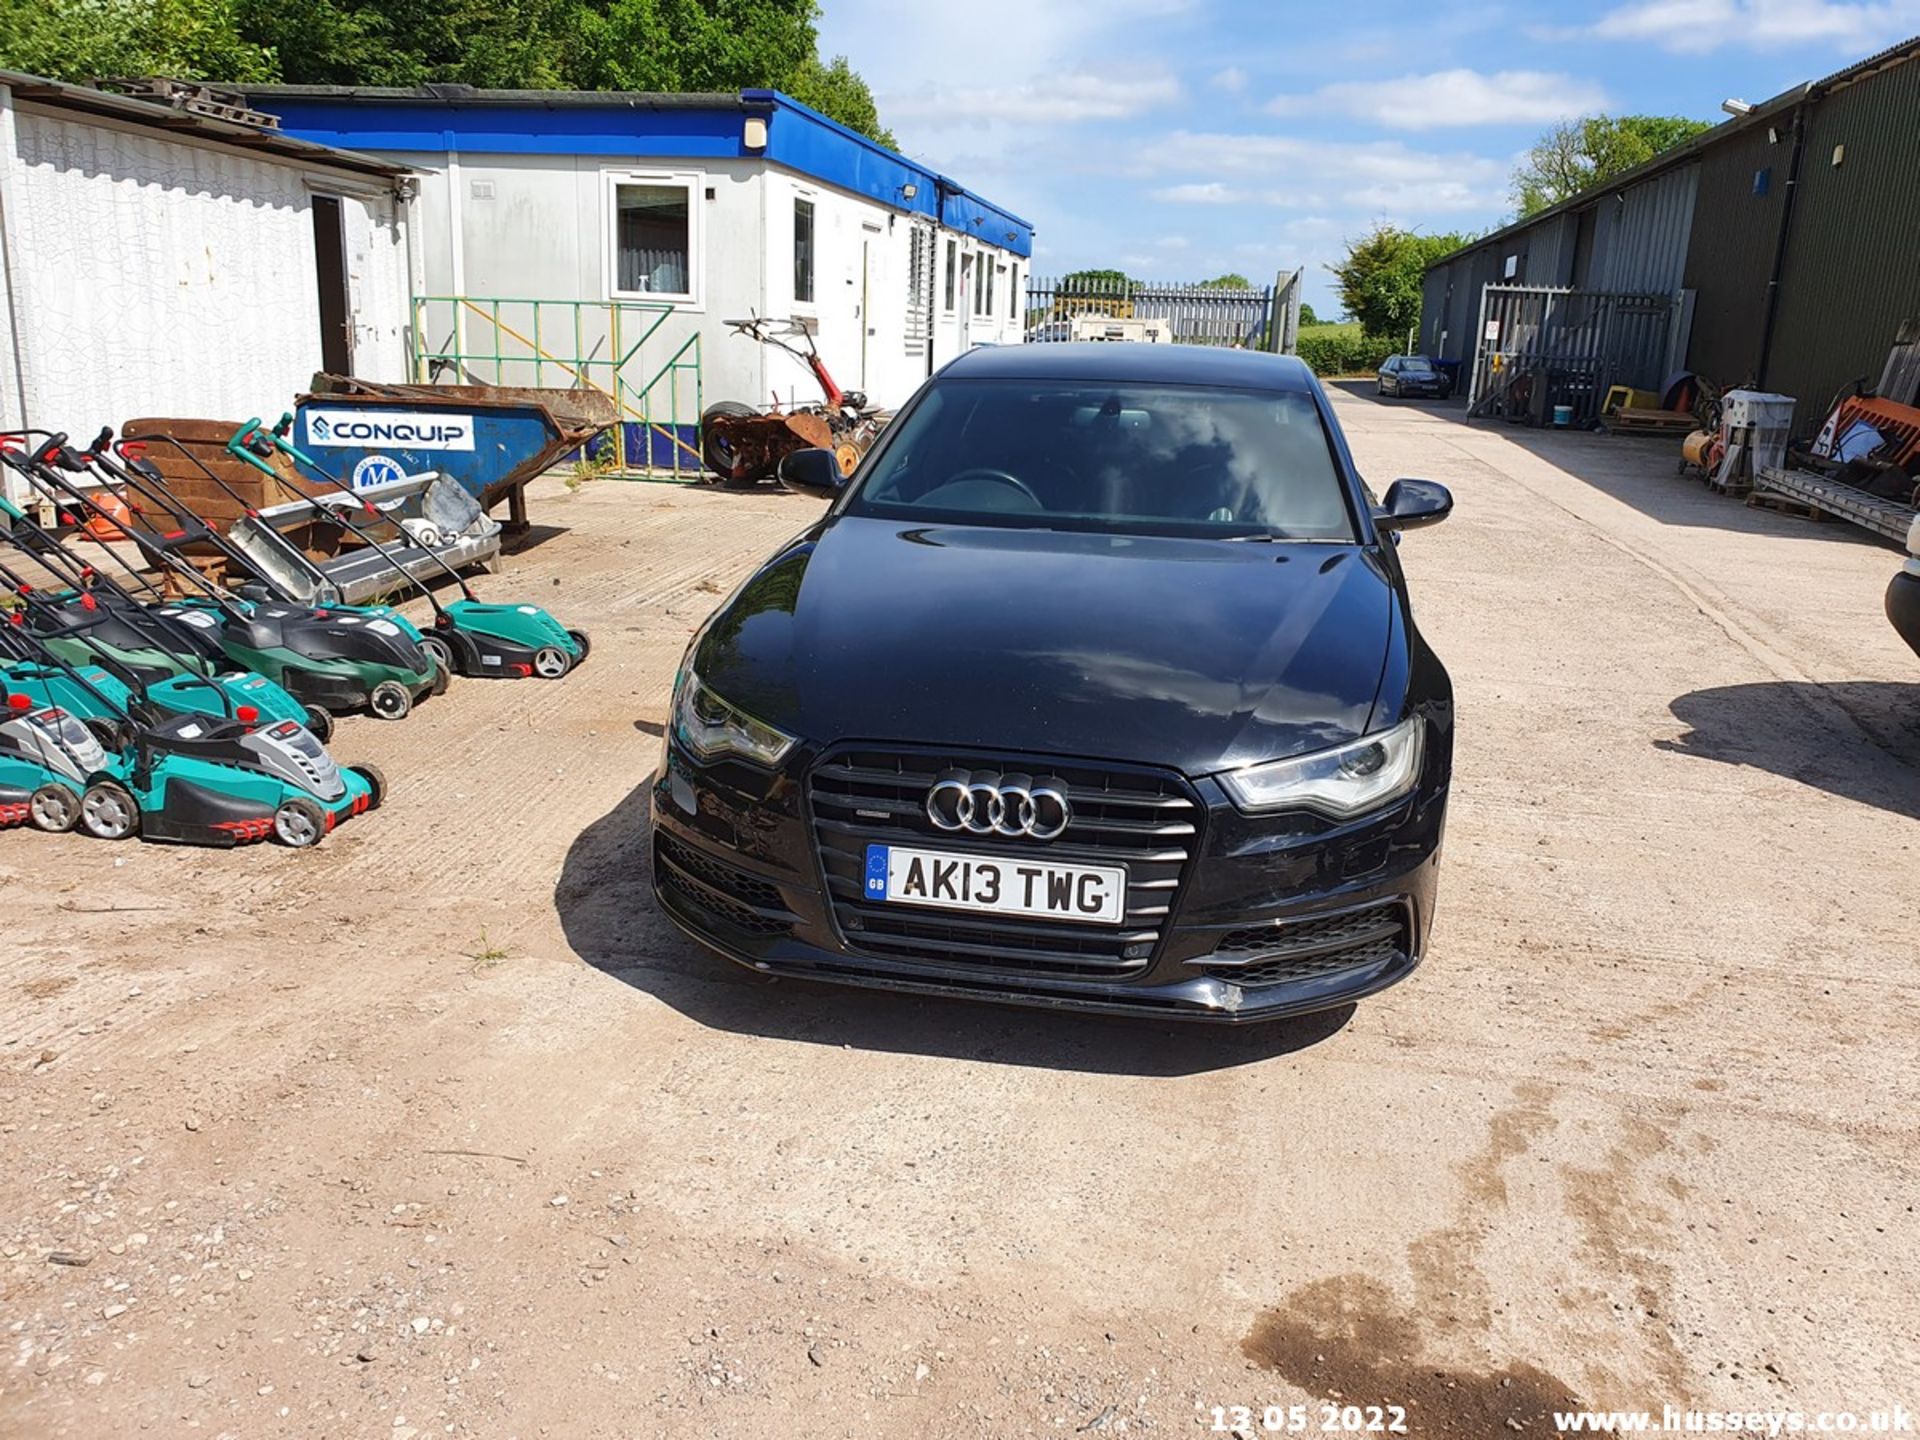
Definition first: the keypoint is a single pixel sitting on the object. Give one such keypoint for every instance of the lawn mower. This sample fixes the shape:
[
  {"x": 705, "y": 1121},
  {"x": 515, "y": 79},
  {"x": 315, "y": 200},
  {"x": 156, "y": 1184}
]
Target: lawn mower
[
  {"x": 36, "y": 660},
  {"x": 190, "y": 779},
  {"x": 96, "y": 621},
  {"x": 468, "y": 636},
  {"x": 743, "y": 445},
  {"x": 138, "y": 477},
  {"x": 49, "y": 764},
  {"x": 327, "y": 657}
]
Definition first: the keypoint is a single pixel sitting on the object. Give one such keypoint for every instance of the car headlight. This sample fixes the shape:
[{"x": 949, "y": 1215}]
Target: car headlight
[
  {"x": 711, "y": 728},
  {"x": 1341, "y": 783}
]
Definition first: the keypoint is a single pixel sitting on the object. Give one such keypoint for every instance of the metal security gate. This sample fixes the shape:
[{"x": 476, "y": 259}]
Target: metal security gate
[
  {"x": 1537, "y": 348},
  {"x": 1266, "y": 318}
]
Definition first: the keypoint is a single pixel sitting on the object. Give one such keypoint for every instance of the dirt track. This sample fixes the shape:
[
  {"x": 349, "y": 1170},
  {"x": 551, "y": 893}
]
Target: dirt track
[{"x": 441, "y": 1130}]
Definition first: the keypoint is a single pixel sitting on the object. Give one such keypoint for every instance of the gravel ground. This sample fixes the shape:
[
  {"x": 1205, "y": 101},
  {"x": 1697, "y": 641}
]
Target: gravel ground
[{"x": 440, "y": 1129}]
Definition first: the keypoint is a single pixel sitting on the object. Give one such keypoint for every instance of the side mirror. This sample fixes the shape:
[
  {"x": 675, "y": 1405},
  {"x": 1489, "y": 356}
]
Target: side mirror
[
  {"x": 1412, "y": 503},
  {"x": 812, "y": 472}
]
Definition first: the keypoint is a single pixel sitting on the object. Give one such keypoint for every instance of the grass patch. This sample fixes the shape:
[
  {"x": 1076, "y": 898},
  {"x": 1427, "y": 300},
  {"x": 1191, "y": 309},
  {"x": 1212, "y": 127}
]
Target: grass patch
[
  {"x": 1330, "y": 328},
  {"x": 485, "y": 954}
]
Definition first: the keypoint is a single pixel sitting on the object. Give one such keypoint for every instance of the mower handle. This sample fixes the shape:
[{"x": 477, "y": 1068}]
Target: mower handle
[{"x": 239, "y": 445}]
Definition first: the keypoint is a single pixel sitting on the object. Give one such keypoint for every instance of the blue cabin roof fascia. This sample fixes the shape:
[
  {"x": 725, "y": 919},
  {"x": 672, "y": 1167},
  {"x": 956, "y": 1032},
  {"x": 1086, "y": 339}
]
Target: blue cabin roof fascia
[{"x": 799, "y": 138}]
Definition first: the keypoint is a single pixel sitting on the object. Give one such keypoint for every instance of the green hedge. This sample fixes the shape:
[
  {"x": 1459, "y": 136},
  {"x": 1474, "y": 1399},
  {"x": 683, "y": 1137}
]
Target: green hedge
[{"x": 1344, "y": 353}]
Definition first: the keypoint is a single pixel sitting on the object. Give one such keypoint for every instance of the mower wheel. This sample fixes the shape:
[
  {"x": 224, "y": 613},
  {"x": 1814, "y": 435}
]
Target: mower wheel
[
  {"x": 299, "y": 823},
  {"x": 113, "y": 735},
  {"x": 550, "y": 662},
  {"x": 320, "y": 722},
  {"x": 108, "y": 811},
  {"x": 376, "y": 783},
  {"x": 53, "y": 808},
  {"x": 441, "y": 649},
  {"x": 390, "y": 700},
  {"x": 580, "y": 638}
]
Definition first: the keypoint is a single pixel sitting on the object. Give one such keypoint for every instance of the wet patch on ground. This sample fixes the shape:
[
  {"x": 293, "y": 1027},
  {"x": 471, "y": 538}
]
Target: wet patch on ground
[{"x": 1347, "y": 1340}]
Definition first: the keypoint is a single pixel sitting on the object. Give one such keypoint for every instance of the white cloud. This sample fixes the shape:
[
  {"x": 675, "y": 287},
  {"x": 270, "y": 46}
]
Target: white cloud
[
  {"x": 1698, "y": 27},
  {"x": 1203, "y": 192},
  {"x": 1055, "y": 99},
  {"x": 1232, "y": 79},
  {"x": 1448, "y": 98},
  {"x": 1377, "y": 177}
]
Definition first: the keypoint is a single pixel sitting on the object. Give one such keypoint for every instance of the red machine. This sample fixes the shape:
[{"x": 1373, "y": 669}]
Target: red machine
[{"x": 742, "y": 444}]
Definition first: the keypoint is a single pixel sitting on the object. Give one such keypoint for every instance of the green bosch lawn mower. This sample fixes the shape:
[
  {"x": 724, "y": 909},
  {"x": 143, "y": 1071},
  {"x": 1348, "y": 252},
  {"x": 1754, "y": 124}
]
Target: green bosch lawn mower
[
  {"x": 330, "y": 657},
  {"x": 470, "y": 635},
  {"x": 48, "y": 642},
  {"x": 95, "y": 621},
  {"x": 191, "y": 779},
  {"x": 49, "y": 763}
]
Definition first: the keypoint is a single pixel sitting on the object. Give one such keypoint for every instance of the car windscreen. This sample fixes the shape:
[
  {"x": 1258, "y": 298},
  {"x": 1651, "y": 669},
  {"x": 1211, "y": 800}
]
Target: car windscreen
[
  {"x": 1118, "y": 457},
  {"x": 1416, "y": 365}
]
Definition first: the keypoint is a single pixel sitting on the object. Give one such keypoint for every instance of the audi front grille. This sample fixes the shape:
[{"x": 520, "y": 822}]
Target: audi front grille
[{"x": 1147, "y": 820}]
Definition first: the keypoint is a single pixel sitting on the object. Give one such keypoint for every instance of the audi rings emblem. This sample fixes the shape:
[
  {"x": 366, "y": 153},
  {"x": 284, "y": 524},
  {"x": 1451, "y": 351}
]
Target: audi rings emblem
[{"x": 983, "y": 803}]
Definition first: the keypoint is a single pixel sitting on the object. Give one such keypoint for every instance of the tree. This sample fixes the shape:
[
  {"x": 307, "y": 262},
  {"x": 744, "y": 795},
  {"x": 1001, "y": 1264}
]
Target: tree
[
  {"x": 666, "y": 45},
  {"x": 82, "y": 39},
  {"x": 1307, "y": 317},
  {"x": 1578, "y": 153},
  {"x": 836, "y": 89},
  {"x": 1232, "y": 280},
  {"x": 1098, "y": 282},
  {"x": 1381, "y": 277}
]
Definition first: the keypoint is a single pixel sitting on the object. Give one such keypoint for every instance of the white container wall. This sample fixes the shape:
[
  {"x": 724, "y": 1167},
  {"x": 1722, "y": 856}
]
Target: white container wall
[{"x": 149, "y": 273}]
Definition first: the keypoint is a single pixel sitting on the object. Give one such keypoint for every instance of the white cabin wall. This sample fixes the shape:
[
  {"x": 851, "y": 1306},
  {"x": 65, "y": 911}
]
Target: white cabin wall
[{"x": 153, "y": 274}]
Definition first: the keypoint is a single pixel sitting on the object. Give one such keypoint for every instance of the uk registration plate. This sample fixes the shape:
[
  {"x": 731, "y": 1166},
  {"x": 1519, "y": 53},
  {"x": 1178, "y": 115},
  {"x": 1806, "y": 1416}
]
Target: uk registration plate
[{"x": 1041, "y": 889}]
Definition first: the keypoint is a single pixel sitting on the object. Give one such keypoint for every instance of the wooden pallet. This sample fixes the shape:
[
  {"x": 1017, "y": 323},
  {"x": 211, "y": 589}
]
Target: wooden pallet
[
  {"x": 1787, "y": 505},
  {"x": 1630, "y": 421}
]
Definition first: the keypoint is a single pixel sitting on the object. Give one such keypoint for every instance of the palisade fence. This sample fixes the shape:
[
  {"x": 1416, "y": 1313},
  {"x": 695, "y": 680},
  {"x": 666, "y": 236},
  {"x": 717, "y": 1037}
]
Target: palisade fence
[
  {"x": 1540, "y": 347},
  {"x": 1266, "y": 318}
]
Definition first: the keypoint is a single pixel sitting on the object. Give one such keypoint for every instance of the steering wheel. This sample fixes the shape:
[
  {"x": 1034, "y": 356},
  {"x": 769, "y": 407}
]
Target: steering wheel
[{"x": 998, "y": 477}]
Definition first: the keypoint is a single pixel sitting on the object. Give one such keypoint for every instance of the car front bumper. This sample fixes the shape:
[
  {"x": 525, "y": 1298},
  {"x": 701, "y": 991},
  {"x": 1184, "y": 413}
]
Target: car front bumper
[{"x": 737, "y": 866}]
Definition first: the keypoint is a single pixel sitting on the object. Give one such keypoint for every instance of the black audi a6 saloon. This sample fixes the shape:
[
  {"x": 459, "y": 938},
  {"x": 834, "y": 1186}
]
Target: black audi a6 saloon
[{"x": 1096, "y": 686}]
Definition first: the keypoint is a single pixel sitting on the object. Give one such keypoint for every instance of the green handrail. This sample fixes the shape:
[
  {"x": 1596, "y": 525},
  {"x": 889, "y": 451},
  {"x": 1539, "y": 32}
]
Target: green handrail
[{"x": 512, "y": 341}]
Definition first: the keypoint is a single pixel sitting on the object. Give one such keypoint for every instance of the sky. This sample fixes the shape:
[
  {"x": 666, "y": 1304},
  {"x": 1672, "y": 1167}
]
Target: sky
[{"x": 1182, "y": 139}]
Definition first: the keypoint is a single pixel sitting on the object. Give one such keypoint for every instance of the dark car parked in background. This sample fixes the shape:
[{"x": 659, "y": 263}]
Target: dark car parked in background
[
  {"x": 1412, "y": 375},
  {"x": 1096, "y": 686}
]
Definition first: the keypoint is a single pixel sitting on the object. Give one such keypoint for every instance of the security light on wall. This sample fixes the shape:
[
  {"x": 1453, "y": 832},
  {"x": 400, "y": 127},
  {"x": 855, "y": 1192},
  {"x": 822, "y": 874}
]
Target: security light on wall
[
  {"x": 907, "y": 192},
  {"x": 1736, "y": 108},
  {"x": 754, "y": 133}
]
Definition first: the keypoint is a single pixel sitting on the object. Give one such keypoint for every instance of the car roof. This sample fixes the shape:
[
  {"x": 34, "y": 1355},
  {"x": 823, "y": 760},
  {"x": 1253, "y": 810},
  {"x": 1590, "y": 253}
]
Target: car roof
[{"x": 1137, "y": 362}]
